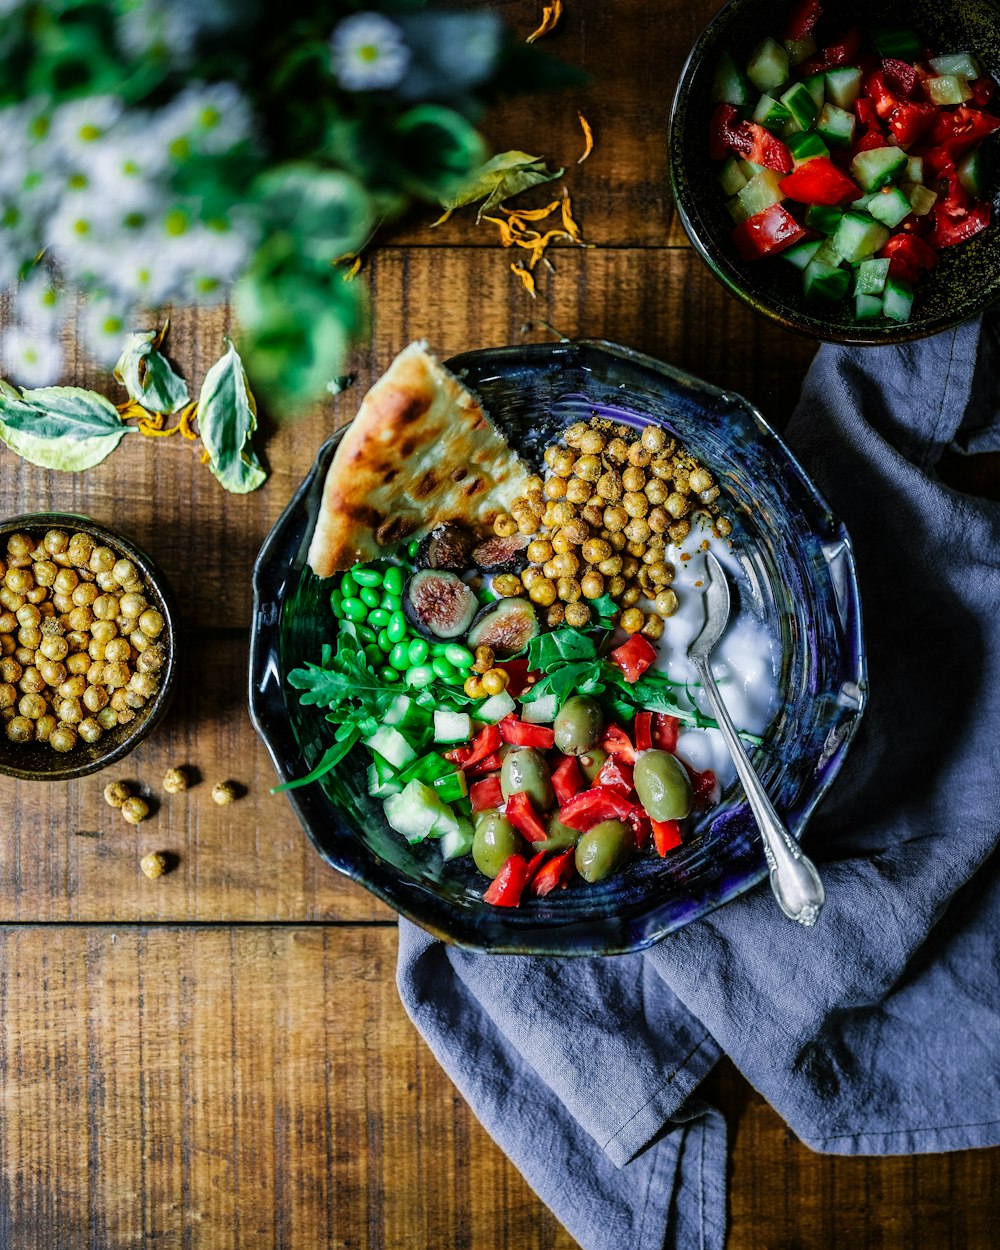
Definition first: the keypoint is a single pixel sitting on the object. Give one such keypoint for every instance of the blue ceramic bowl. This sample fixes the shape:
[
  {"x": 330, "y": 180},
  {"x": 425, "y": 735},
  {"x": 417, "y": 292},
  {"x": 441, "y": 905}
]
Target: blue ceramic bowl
[
  {"x": 966, "y": 280},
  {"x": 799, "y": 572}
]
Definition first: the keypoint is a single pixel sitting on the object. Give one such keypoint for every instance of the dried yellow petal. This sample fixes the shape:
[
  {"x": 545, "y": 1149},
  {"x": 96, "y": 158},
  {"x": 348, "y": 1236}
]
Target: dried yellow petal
[
  {"x": 572, "y": 229},
  {"x": 551, "y": 14},
  {"x": 588, "y": 139},
  {"x": 532, "y": 214},
  {"x": 527, "y": 281}
]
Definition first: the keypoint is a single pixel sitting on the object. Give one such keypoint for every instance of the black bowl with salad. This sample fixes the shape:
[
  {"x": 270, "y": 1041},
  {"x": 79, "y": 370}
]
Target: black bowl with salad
[{"x": 487, "y": 738}]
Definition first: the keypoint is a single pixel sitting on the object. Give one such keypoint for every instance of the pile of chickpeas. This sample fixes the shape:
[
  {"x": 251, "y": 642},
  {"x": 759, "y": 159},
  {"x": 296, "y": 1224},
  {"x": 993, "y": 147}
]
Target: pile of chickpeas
[
  {"x": 601, "y": 520},
  {"x": 80, "y": 649}
]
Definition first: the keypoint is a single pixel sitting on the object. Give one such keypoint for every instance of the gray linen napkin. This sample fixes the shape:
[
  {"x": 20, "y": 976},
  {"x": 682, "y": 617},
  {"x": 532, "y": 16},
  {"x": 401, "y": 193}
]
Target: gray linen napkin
[{"x": 875, "y": 1033}]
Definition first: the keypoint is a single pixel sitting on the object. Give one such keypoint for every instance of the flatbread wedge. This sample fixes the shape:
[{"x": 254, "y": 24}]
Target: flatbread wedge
[{"x": 421, "y": 451}]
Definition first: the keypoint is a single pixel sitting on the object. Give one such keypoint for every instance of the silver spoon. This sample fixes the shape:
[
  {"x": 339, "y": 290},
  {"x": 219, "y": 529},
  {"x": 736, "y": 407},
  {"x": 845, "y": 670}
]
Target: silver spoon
[{"x": 794, "y": 879}]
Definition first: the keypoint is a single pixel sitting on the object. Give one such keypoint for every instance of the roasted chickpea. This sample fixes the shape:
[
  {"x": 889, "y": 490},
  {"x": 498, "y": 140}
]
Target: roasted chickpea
[
  {"x": 679, "y": 531},
  {"x": 637, "y": 531},
  {"x": 78, "y": 662},
  {"x": 106, "y": 582},
  {"x": 631, "y": 595},
  {"x": 63, "y": 738},
  {"x": 577, "y": 615},
  {"x": 79, "y": 550},
  {"x": 666, "y": 602},
  {"x": 94, "y": 698},
  {"x": 131, "y": 604},
  {"x": 530, "y": 576},
  {"x": 66, "y": 582},
  {"x": 55, "y": 541},
  {"x": 593, "y": 514},
  {"x": 135, "y": 810},
  {"x": 577, "y": 491},
  {"x": 577, "y": 531},
  {"x": 504, "y": 584},
  {"x": 116, "y": 675},
  {"x": 32, "y": 705},
  {"x": 44, "y": 726},
  {"x": 723, "y": 527},
  {"x": 503, "y": 526},
  {"x": 617, "y": 540},
  {"x": 536, "y": 501},
  {"x": 609, "y": 486},
  {"x": 610, "y": 565},
  {"x": 152, "y": 659},
  {"x": 53, "y": 672},
  {"x": 107, "y": 718},
  {"x": 144, "y": 684},
  {"x": 710, "y": 495},
  {"x": 18, "y": 582},
  {"x": 635, "y": 504},
  {"x": 638, "y": 456},
  {"x": 700, "y": 479},
  {"x": 631, "y": 620},
  {"x": 560, "y": 513},
  {"x": 555, "y": 615},
  {"x": 658, "y": 520},
  {"x": 592, "y": 443},
  {"x": 19, "y": 544},
  {"x": 662, "y": 469},
  {"x": 563, "y": 462},
  {"x": 484, "y": 659},
  {"x": 539, "y": 551},
  {"x": 656, "y": 491},
  {"x": 124, "y": 571},
  {"x": 549, "y": 570},
  {"x": 633, "y": 479},
  {"x": 495, "y": 680},
  {"x": 615, "y": 585},
  {"x": 615, "y": 518},
  {"x": 594, "y": 550},
  {"x": 20, "y": 729},
  {"x": 89, "y": 729},
  {"x": 542, "y": 592},
  {"x": 473, "y": 687},
  {"x": 677, "y": 506},
  {"x": 566, "y": 563},
  {"x": 549, "y": 455},
  {"x": 10, "y": 669},
  {"x": 653, "y": 627},
  {"x": 8, "y": 695},
  {"x": 555, "y": 487},
  {"x": 30, "y": 636},
  {"x": 84, "y": 595},
  {"x": 653, "y": 438},
  {"x": 175, "y": 780},
  {"x": 54, "y": 646},
  {"x": 588, "y": 468},
  {"x": 682, "y": 482},
  {"x": 8, "y": 622},
  {"x": 154, "y": 865},
  {"x": 568, "y": 589},
  {"x": 528, "y": 523},
  {"x": 636, "y": 550},
  {"x": 592, "y": 584},
  {"x": 575, "y": 432}
]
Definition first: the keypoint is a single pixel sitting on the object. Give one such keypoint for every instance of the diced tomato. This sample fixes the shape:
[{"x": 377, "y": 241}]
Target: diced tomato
[
  {"x": 520, "y": 678},
  {"x": 616, "y": 775},
  {"x": 616, "y": 742},
  {"x": 482, "y": 768},
  {"x": 665, "y": 731},
  {"x": 666, "y": 835},
  {"x": 819, "y": 181},
  {"x": 765, "y": 148},
  {"x": 950, "y": 229},
  {"x": 801, "y": 20},
  {"x": 506, "y": 888},
  {"x": 484, "y": 744},
  {"x": 873, "y": 138},
  {"x": 722, "y": 132},
  {"x": 636, "y": 654},
  {"x": 520, "y": 734},
  {"x": 702, "y": 786},
  {"x": 908, "y": 256},
  {"x": 585, "y": 810},
  {"x": 962, "y": 128},
  {"x": 643, "y": 731},
  {"x": 458, "y": 756},
  {"x": 558, "y": 872},
  {"x": 982, "y": 90},
  {"x": 567, "y": 779},
  {"x": 522, "y": 815},
  {"x": 841, "y": 52},
  {"x": 900, "y": 77},
  {"x": 865, "y": 111},
  {"x": 764, "y": 234},
  {"x": 485, "y": 794},
  {"x": 880, "y": 95},
  {"x": 909, "y": 122}
]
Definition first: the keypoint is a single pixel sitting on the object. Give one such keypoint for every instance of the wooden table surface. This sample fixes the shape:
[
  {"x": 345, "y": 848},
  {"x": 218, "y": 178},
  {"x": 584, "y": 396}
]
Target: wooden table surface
[{"x": 218, "y": 1058}]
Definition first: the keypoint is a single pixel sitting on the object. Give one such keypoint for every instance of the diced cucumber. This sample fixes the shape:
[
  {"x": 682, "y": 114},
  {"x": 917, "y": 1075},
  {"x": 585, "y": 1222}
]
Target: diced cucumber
[
  {"x": 452, "y": 786},
  {"x": 541, "y": 711},
  {"x": 961, "y": 64},
  {"x": 859, "y": 236},
  {"x": 750, "y": 168},
  {"x": 763, "y": 190},
  {"x": 836, "y": 125},
  {"x": 731, "y": 177},
  {"x": 823, "y": 217},
  {"x": 770, "y": 113},
  {"x": 870, "y": 276},
  {"x": 843, "y": 85},
  {"x": 388, "y": 742},
  {"x": 398, "y": 710},
  {"x": 970, "y": 173},
  {"x": 827, "y": 253},
  {"x": 815, "y": 84},
  {"x": 800, "y": 104},
  {"x": 768, "y": 66},
  {"x": 904, "y": 45},
  {"x": 875, "y": 167},
  {"x": 458, "y": 841},
  {"x": 427, "y": 768},
  {"x": 897, "y": 301},
  {"x": 495, "y": 708},
  {"x": 889, "y": 206},
  {"x": 825, "y": 281},
  {"x": 800, "y": 254},
  {"x": 922, "y": 199},
  {"x": 452, "y": 726},
  {"x": 729, "y": 85},
  {"x": 948, "y": 89},
  {"x": 735, "y": 209},
  {"x": 805, "y": 145},
  {"x": 800, "y": 50},
  {"x": 382, "y": 780},
  {"x": 867, "y": 307},
  {"x": 417, "y": 813},
  {"x": 864, "y": 200},
  {"x": 914, "y": 169}
]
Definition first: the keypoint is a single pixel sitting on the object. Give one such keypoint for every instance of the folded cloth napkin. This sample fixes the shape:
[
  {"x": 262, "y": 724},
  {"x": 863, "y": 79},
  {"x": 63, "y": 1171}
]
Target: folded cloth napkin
[{"x": 877, "y": 1031}]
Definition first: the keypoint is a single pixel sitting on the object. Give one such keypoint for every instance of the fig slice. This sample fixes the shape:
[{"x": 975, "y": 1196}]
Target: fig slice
[
  {"x": 438, "y": 604},
  {"x": 506, "y": 626},
  {"x": 446, "y": 547},
  {"x": 501, "y": 555}
]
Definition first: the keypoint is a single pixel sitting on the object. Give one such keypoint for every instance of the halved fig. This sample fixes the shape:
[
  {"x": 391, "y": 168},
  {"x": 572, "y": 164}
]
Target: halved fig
[
  {"x": 446, "y": 547},
  {"x": 501, "y": 555},
  {"x": 438, "y": 604},
  {"x": 506, "y": 626}
]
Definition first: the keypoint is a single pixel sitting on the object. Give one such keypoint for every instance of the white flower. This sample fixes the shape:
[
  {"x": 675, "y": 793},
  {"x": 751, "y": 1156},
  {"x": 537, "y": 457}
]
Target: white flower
[
  {"x": 31, "y": 357},
  {"x": 38, "y": 304},
  {"x": 209, "y": 120},
  {"x": 368, "y": 52},
  {"x": 102, "y": 326},
  {"x": 77, "y": 127},
  {"x": 152, "y": 28}
]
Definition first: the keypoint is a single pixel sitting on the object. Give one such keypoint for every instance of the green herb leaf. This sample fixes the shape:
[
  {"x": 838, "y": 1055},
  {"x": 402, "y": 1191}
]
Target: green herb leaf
[
  {"x": 330, "y": 758},
  {"x": 605, "y": 610},
  {"x": 227, "y": 418},
  {"x": 506, "y": 175},
  {"x": 147, "y": 376},
  {"x": 59, "y": 427}
]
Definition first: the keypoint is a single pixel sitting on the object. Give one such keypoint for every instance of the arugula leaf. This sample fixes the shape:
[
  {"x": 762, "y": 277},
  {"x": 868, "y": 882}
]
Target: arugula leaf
[
  {"x": 330, "y": 759},
  {"x": 564, "y": 645},
  {"x": 605, "y": 609},
  {"x": 147, "y": 376},
  {"x": 59, "y": 427},
  {"x": 227, "y": 418},
  {"x": 502, "y": 177}
]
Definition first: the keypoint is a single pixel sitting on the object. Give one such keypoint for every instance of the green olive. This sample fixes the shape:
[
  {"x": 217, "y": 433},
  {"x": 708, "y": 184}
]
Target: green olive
[
  {"x": 525, "y": 769},
  {"x": 592, "y": 762},
  {"x": 494, "y": 842},
  {"x": 663, "y": 785},
  {"x": 604, "y": 849},
  {"x": 578, "y": 725},
  {"x": 561, "y": 837}
]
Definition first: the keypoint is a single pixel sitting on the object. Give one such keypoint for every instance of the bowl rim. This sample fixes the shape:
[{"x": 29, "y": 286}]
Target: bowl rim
[
  {"x": 157, "y": 581},
  {"x": 728, "y": 272},
  {"x": 349, "y": 856}
]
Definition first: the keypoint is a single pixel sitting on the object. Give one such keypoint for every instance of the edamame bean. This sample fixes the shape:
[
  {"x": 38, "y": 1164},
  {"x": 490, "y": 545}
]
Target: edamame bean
[
  {"x": 389, "y": 674},
  {"x": 385, "y": 643},
  {"x": 459, "y": 656},
  {"x": 443, "y": 669},
  {"x": 412, "y": 548},
  {"x": 393, "y": 580},
  {"x": 396, "y": 629},
  {"x": 399, "y": 657},
  {"x": 355, "y": 610},
  {"x": 348, "y": 587},
  {"x": 368, "y": 596},
  {"x": 418, "y": 651},
  {"x": 367, "y": 577},
  {"x": 378, "y": 618},
  {"x": 337, "y": 606},
  {"x": 439, "y": 648},
  {"x": 392, "y": 602},
  {"x": 367, "y": 635},
  {"x": 419, "y": 676}
]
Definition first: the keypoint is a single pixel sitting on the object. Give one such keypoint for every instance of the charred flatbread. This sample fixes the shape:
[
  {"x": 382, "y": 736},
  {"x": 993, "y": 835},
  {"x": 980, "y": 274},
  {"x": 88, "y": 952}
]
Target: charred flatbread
[{"x": 420, "y": 452}]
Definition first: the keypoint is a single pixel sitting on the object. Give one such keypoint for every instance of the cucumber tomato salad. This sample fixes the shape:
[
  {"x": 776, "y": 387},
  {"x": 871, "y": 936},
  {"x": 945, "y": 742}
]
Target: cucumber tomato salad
[{"x": 855, "y": 158}]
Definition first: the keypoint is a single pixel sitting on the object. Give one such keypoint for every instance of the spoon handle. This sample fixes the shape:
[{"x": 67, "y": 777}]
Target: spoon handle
[{"x": 794, "y": 879}]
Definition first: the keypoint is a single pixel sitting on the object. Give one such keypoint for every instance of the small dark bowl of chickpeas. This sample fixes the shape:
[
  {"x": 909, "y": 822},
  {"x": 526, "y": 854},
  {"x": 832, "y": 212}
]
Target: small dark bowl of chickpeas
[{"x": 87, "y": 646}]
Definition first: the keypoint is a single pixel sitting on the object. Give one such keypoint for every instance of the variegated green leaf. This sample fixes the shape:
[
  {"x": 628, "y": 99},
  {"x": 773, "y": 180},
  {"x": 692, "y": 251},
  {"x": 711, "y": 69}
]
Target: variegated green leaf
[
  {"x": 148, "y": 376},
  {"x": 227, "y": 418},
  {"x": 59, "y": 427},
  {"x": 505, "y": 175}
]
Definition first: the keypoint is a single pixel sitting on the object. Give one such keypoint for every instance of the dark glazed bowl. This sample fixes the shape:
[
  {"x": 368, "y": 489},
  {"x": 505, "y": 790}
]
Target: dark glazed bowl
[
  {"x": 799, "y": 577},
  {"x": 966, "y": 281},
  {"x": 36, "y": 761}
]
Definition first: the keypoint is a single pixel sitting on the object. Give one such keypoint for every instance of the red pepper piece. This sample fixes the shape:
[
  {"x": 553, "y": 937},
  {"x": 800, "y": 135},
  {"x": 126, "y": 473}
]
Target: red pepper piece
[
  {"x": 485, "y": 794},
  {"x": 643, "y": 731},
  {"x": 567, "y": 779},
  {"x": 616, "y": 742},
  {"x": 635, "y": 655},
  {"x": 865, "y": 111},
  {"x": 458, "y": 756},
  {"x": 950, "y": 229},
  {"x": 489, "y": 765},
  {"x": 639, "y": 821},
  {"x": 507, "y": 887},
  {"x": 666, "y": 835},
  {"x": 819, "y": 181},
  {"x": 520, "y": 734},
  {"x": 520, "y": 677},
  {"x": 558, "y": 872},
  {"x": 844, "y": 50},
  {"x": 900, "y": 77},
  {"x": 665, "y": 731},
  {"x": 763, "y": 234},
  {"x": 702, "y": 786},
  {"x": 484, "y": 744},
  {"x": 722, "y": 129},
  {"x": 616, "y": 775},
  {"x": 801, "y": 20},
  {"x": 909, "y": 257},
  {"x": 982, "y": 90},
  {"x": 522, "y": 815},
  {"x": 585, "y": 810}
]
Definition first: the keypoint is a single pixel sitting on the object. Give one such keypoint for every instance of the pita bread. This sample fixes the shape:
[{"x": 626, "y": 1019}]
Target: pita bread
[{"x": 421, "y": 451}]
